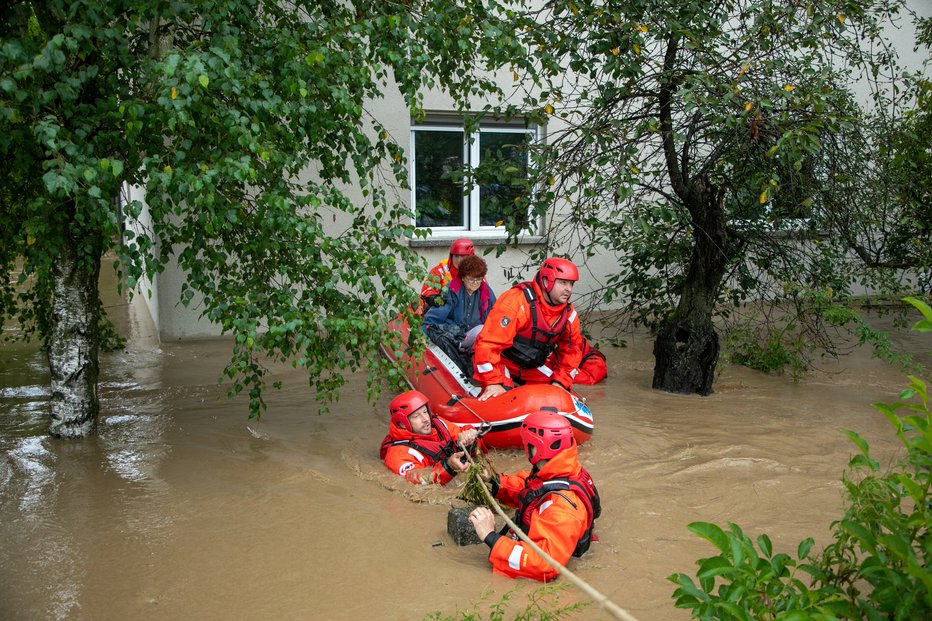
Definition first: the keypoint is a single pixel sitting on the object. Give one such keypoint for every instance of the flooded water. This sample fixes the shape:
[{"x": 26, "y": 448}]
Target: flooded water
[{"x": 182, "y": 508}]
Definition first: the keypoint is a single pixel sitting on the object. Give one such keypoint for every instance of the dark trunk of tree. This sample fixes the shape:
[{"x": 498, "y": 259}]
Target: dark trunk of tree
[
  {"x": 73, "y": 342},
  {"x": 686, "y": 348}
]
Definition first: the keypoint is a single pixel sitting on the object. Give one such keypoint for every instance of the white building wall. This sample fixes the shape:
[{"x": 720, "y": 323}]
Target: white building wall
[{"x": 146, "y": 290}]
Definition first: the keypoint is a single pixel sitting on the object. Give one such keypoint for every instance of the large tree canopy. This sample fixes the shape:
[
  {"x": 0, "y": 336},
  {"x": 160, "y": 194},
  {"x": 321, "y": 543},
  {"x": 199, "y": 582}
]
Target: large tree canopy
[
  {"x": 713, "y": 148},
  {"x": 245, "y": 122},
  {"x": 724, "y": 152}
]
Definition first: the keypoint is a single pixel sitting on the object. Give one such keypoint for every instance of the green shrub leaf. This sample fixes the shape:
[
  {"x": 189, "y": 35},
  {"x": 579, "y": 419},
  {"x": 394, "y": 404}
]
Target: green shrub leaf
[{"x": 711, "y": 533}]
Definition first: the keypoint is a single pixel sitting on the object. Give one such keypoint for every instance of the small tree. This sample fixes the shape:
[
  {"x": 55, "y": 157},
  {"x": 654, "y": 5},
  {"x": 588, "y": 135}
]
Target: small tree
[
  {"x": 699, "y": 143},
  {"x": 244, "y": 122}
]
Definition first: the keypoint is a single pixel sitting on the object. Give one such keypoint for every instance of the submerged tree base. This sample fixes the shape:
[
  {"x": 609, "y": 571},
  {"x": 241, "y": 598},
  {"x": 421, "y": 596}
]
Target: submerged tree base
[{"x": 685, "y": 358}]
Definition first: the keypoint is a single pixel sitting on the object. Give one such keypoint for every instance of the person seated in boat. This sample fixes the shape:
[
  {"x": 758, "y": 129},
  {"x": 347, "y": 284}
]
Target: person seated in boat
[
  {"x": 557, "y": 503},
  {"x": 529, "y": 322},
  {"x": 420, "y": 447},
  {"x": 467, "y": 302},
  {"x": 441, "y": 274},
  {"x": 592, "y": 367}
]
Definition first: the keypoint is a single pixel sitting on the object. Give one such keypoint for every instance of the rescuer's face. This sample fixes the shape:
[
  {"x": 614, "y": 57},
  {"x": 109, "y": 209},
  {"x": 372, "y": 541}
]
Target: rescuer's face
[
  {"x": 419, "y": 421},
  {"x": 562, "y": 291}
]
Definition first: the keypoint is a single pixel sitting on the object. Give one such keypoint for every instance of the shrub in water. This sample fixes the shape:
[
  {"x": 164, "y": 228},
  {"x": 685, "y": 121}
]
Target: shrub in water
[{"x": 877, "y": 566}]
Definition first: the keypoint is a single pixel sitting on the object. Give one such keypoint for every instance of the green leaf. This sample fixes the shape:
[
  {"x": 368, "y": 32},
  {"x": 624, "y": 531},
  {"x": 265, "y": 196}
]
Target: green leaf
[
  {"x": 714, "y": 566},
  {"x": 204, "y": 80},
  {"x": 711, "y": 533},
  {"x": 688, "y": 587},
  {"x": 763, "y": 542},
  {"x": 804, "y": 547},
  {"x": 858, "y": 441},
  {"x": 860, "y": 533},
  {"x": 926, "y": 311}
]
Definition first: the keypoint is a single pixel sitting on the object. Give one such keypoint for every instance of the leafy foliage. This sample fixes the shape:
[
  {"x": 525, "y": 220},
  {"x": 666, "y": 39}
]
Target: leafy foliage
[
  {"x": 751, "y": 100},
  {"x": 247, "y": 123},
  {"x": 472, "y": 490},
  {"x": 877, "y": 566}
]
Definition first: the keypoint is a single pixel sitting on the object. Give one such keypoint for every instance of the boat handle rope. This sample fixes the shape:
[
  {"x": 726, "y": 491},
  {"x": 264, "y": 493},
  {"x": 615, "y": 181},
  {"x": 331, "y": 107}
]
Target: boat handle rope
[
  {"x": 608, "y": 605},
  {"x": 395, "y": 361},
  {"x": 484, "y": 428}
]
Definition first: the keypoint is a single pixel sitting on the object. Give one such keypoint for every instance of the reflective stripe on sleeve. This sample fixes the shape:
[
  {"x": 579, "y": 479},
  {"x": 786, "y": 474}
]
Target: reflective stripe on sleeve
[
  {"x": 514, "y": 559},
  {"x": 543, "y": 506},
  {"x": 416, "y": 454},
  {"x": 573, "y": 373},
  {"x": 572, "y": 317},
  {"x": 484, "y": 367},
  {"x": 545, "y": 370}
]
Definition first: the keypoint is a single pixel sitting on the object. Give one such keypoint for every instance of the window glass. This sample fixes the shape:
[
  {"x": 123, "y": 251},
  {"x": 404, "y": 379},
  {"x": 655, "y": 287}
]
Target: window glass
[
  {"x": 471, "y": 182},
  {"x": 501, "y": 174},
  {"x": 438, "y": 166}
]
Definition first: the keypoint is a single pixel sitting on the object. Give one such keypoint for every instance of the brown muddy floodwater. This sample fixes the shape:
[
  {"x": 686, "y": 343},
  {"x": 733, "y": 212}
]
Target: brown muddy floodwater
[{"x": 181, "y": 508}]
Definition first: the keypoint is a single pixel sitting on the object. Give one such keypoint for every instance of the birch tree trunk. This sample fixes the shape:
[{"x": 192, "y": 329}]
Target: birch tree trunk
[{"x": 73, "y": 342}]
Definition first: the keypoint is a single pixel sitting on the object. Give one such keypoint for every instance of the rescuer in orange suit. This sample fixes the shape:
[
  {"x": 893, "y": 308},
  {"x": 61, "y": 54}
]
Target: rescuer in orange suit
[
  {"x": 528, "y": 323},
  {"x": 420, "y": 447},
  {"x": 557, "y": 503},
  {"x": 441, "y": 274}
]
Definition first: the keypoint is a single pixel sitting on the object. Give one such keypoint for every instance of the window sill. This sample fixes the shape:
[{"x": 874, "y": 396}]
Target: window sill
[{"x": 443, "y": 240}]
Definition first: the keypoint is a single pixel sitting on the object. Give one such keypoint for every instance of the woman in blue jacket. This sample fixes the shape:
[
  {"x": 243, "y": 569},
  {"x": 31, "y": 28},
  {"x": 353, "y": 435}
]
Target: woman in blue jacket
[{"x": 467, "y": 301}]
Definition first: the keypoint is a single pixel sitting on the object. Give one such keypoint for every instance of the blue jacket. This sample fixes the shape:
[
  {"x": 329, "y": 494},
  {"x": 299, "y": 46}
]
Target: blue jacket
[{"x": 453, "y": 310}]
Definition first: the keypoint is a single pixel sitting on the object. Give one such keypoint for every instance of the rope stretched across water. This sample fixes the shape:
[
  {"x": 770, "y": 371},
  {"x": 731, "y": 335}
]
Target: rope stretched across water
[{"x": 397, "y": 365}]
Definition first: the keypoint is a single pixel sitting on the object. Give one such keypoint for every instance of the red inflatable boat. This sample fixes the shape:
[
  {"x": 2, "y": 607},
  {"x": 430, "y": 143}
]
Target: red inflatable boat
[{"x": 452, "y": 396}]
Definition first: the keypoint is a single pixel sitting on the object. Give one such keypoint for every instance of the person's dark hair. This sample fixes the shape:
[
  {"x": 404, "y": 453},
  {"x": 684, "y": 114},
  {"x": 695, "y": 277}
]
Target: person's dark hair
[{"x": 472, "y": 267}]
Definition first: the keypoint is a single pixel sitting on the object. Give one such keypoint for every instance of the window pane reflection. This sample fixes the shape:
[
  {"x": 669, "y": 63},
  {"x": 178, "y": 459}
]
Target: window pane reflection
[{"x": 438, "y": 194}]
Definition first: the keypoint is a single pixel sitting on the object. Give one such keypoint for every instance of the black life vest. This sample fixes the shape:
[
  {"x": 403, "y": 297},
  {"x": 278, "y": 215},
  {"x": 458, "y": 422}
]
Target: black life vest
[
  {"x": 437, "y": 450},
  {"x": 534, "y": 343},
  {"x": 536, "y": 490}
]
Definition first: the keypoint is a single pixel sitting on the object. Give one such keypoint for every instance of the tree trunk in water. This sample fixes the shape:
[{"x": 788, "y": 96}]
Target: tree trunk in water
[
  {"x": 73, "y": 343},
  {"x": 686, "y": 348}
]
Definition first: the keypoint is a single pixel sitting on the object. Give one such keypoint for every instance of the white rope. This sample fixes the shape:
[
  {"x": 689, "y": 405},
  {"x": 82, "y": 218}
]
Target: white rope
[{"x": 612, "y": 608}]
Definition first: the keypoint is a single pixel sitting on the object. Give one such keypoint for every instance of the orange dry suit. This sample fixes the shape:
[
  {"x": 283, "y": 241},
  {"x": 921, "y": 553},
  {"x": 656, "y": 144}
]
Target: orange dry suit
[
  {"x": 557, "y": 507},
  {"x": 421, "y": 458},
  {"x": 439, "y": 277},
  {"x": 519, "y": 334},
  {"x": 592, "y": 368}
]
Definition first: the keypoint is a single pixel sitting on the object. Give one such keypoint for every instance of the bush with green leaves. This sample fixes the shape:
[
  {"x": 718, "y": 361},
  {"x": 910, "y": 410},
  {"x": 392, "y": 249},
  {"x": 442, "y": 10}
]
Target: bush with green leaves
[{"x": 877, "y": 566}]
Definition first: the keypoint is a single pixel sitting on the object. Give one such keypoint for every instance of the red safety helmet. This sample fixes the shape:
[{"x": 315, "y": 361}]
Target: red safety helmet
[
  {"x": 547, "y": 432},
  {"x": 554, "y": 268},
  {"x": 461, "y": 246},
  {"x": 405, "y": 404}
]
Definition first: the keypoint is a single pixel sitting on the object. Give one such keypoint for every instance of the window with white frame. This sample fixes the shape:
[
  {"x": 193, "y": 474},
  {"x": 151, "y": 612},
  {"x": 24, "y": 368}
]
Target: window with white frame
[{"x": 469, "y": 181}]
